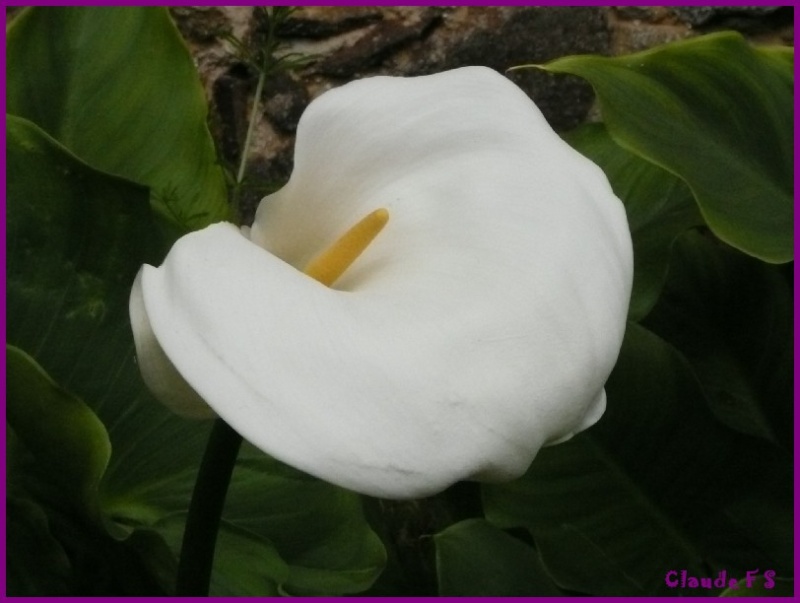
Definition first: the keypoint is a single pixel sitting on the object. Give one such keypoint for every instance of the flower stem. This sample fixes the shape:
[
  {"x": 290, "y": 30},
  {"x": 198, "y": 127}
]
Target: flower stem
[
  {"x": 205, "y": 511},
  {"x": 262, "y": 76}
]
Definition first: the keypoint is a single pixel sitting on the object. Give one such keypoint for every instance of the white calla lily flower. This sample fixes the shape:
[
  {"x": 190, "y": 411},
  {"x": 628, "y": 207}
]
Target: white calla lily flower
[{"x": 480, "y": 324}]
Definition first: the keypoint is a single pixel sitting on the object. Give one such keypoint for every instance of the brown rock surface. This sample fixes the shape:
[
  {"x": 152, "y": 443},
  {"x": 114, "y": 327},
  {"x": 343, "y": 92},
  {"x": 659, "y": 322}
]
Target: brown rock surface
[
  {"x": 352, "y": 42},
  {"x": 356, "y": 42}
]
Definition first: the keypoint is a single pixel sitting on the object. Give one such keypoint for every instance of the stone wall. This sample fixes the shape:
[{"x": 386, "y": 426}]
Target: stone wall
[{"x": 356, "y": 42}]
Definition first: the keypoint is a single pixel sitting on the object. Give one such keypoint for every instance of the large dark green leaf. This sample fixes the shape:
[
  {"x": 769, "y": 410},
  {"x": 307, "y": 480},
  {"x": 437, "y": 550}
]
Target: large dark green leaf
[
  {"x": 658, "y": 204},
  {"x": 318, "y": 529},
  {"x": 244, "y": 564},
  {"x": 731, "y": 316},
  {"x": 67, "y": 442},
  {"x": 37, "y": 565},
  {"x": 282, "y": 530},
  {"x": 657, "y": 484},
  {"x": 717, "y": 112},
  {"x": 117, "y": 86},
  {"x": 286, "y": 532},
  {"x": 476, "y": 559},
  {"x": 76, "y": 238}
]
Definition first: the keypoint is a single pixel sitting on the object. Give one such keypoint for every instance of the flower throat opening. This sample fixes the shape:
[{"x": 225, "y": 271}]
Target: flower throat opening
[{"x": 328, "y": 266}]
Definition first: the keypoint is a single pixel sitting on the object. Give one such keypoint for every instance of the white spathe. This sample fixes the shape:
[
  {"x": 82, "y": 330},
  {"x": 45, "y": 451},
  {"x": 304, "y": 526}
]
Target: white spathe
[{"x": 479, "y": 326}]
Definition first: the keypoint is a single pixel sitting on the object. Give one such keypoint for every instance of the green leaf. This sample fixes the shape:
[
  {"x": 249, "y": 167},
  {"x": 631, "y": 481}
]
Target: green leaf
[
  {"x": 285, "y": 532},
  {"x": 118, "y": 87},
  {"x": 275, "y": 517},
  {"x": 659, "y": 206},
  {"x": 731, "y": 316},
  {"x": 476, "y": 559},
  {"x": 717, "y": 112},
  {"x": 657, "y": 484},
  {"x": 69, "y": 444},
  {"x": 104, "y": 566},
  {"x": 244, "y": 564},
  {"x": 76, "y": 238},
  {"x": 38, "y": 565},
  {"x": 74, "y": 235},
  {"x": 319, "y": 529}
]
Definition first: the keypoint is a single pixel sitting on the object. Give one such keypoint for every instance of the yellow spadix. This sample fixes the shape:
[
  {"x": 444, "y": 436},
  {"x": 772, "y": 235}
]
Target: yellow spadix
[{"x": 331, "y": 263}]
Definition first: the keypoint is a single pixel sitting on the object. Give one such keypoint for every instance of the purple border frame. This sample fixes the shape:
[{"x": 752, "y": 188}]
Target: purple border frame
[{"x": 409, "y": 3}]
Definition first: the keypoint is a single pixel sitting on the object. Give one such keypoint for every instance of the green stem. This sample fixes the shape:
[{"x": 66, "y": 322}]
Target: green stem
[
  {"x": 205, "y": 511},
  {"x": 262, "y": 76}
]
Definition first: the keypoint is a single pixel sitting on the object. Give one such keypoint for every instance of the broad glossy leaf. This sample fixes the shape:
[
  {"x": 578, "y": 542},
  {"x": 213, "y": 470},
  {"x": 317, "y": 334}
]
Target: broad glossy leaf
[
  {"x": 659, "y": 206},
  {"x": 54, "y": 551},
  {"x": 476, "y": 559},
  {"x": 657, "y": 484},
  {"x": 717, "y": 112},
  {"x": 319, "y": 529},
  {"x": 731, "y": 316},
  {"x": 118, "y": 87},
  {"x": 68, "y": 443},
  {"x": 244, "y": 564},
  {"x": 283, "y": 530},
  {"x": 286, "y": 532},
  {"x": 76, "y": 238}
]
